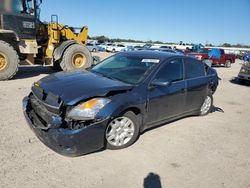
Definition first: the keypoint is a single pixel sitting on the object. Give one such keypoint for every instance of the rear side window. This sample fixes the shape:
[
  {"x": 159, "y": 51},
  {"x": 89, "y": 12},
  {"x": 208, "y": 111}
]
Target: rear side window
[
  {"x": 172, "y": 71},
  {"x": 194, "y": 68}
]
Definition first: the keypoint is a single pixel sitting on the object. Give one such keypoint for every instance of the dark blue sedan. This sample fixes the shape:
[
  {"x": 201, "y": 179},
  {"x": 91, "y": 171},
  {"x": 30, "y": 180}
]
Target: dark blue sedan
[{"x": 76, "y": 113}]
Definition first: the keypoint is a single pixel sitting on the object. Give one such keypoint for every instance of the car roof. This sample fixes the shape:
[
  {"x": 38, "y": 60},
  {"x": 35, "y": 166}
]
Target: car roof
[{"x": 149, "y": 54}]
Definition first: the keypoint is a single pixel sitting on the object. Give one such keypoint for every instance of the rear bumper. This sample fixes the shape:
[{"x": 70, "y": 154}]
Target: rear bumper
[{"x": 70, "y": 142}]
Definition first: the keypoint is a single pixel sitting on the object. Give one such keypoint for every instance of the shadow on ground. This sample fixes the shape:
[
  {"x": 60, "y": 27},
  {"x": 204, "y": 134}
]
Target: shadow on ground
[
  {"x": 240, "y": 82},
  {"x": 152, "y": 181},
  {"x": 32, "y": 71},
  {"x": 217, "y": 109}
]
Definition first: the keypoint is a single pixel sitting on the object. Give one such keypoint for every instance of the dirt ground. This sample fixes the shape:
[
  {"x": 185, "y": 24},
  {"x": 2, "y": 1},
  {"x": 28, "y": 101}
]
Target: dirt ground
[{"x": 211, "y": 151}]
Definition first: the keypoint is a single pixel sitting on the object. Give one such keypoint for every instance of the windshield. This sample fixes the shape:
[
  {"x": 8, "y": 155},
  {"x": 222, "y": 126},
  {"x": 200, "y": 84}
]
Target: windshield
[{"x": 128, "y": 69}]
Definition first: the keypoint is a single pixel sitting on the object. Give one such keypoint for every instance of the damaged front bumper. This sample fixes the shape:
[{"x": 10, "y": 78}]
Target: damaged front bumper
[{"x": 69, "y": 142}]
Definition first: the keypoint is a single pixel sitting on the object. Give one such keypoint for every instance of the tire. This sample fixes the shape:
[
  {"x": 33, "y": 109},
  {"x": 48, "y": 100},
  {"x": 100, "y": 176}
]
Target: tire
[
  {"x": 204, "y": 110},
  {"x": 94, "y": 50},
  {"x": 113, "y": 51},
  {"x": 110, "y": 135},
  {"x": 228, "y": 64},
  {"x": 76, "y": 57},
  {"x": 10, "y": 61}
]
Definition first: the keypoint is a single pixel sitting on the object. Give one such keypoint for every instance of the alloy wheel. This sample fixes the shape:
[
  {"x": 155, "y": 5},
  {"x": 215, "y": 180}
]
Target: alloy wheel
[
  {"x": 3, "y": 62},
  {"x": 120, "y": 131},
  {"x": 79, "y": 60},
  {"x": 206, "y": 105}
]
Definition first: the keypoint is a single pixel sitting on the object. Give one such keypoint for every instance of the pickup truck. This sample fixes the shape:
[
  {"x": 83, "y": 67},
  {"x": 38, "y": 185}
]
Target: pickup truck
[{"x": 216, "y": 55}]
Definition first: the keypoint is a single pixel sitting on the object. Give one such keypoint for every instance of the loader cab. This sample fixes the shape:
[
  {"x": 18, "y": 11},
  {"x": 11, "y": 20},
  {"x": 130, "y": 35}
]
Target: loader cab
[
  {"x": 28, "y": 7},
  {"x": 31, "y": 7},
  {"x": 20, "y": 17}
]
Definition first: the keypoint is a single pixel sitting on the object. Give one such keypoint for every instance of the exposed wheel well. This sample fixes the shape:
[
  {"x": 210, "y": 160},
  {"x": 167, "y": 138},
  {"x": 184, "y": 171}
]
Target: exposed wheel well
[
  {"x": 135, "y": 110},
  {"x": 138, "y": 113}
]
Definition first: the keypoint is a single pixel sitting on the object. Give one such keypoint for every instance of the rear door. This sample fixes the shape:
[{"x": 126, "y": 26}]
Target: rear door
[{"x": 197, "y": 84}]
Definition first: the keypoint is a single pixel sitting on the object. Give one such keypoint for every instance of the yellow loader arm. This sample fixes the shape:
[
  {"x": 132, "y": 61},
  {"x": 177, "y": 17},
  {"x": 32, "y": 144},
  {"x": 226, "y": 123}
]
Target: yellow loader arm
[{"x": 59, "y": 33}]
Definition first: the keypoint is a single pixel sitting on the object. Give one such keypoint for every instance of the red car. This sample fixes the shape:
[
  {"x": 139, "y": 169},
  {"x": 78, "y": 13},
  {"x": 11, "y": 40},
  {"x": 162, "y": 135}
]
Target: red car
[{"x": 218, "y": 56}]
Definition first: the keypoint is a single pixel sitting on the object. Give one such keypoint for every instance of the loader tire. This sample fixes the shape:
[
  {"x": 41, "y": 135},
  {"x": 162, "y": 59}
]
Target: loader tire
[
  {"x": 9, "y": 61},
  {"x": 76, "y": 57}
]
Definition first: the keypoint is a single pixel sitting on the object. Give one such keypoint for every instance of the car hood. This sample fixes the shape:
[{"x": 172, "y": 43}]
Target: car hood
[{"x": 72, "y": 87}]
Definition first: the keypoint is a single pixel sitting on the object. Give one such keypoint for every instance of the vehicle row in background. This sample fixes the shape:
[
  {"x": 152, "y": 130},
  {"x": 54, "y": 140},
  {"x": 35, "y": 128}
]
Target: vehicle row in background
[{"x": 215, "y": 55}]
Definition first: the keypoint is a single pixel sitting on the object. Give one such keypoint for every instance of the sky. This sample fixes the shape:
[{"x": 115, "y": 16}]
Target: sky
[{"x": 190, "y": 21}]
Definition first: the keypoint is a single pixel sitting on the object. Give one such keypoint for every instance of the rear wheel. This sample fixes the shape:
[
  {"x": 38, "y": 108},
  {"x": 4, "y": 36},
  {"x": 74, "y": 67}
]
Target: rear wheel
[
  {"x": 113, "y": 50},
  {"x": 122, "y": 131},
  {"x": 228, "y": 64},
  {"x": 207, "y": 105},
  {"x": 9, "y": 61},
  {"x": 76, "y": 57}
]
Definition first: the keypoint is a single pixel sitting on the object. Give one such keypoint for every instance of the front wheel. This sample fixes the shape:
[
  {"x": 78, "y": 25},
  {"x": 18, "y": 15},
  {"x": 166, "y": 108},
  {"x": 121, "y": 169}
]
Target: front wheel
[
  {"x": 207, "y": 105},
  {"x": 9, "y": 61},
  {"x": 122, "y": 131}
]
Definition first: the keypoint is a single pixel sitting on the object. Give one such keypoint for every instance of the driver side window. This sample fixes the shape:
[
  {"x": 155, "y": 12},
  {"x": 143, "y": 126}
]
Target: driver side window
[{"x": 171, "y": 72}]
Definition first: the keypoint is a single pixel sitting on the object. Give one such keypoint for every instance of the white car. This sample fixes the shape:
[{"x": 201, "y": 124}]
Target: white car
[
  {"x": 115, "y": 48},
  {"x": 104, "y": 46}
]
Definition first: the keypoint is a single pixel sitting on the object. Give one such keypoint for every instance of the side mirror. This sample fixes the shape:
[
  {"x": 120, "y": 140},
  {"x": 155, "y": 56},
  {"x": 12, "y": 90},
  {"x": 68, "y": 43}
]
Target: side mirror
[{"x": 156, "y": 83}]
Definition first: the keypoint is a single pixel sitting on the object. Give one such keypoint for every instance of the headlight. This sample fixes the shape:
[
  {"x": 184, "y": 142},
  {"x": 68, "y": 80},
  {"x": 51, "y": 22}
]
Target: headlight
[{"x": 88, "y": 109}]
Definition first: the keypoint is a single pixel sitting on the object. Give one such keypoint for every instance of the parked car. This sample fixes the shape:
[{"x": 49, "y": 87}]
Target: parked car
[
  {"x": 115, "y": 48},
  {"x": 75, "y": 113},
  {"x": 244, "y": 74},
  {"x": 138, "y": 47},
  {"x": 217, "y": 56},
  {"x": 104, "y": 46},
  {"x": 92, "y": 47},
  {"x": 128, "y": 49},
  {"x": 145, "y": 47},
  {"x": 100, "y": 47},
  {"x": 246, "y": 58},
  {"x": 166, "y": 47},
  {"x": 182, "y": 52},
  {"x": 166, "y": 50},
  {"x": 200, "y": 54}
]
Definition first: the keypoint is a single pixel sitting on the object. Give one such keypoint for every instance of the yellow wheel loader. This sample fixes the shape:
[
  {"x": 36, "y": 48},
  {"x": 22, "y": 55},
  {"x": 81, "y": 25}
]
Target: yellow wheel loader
[{"x": 24, "y": 37}]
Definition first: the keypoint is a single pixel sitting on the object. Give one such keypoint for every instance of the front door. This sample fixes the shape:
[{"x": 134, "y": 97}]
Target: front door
[{"x": 167, "y": 101}]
